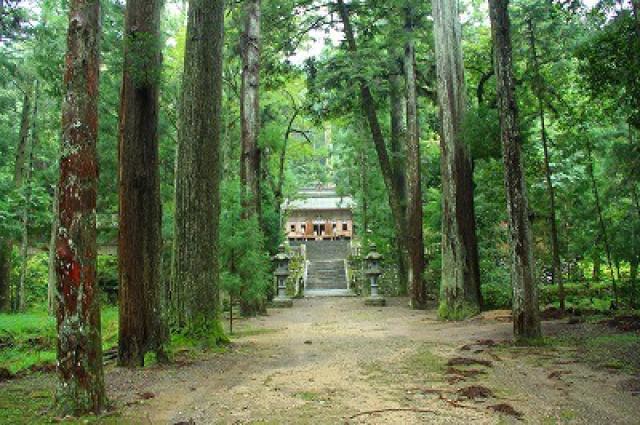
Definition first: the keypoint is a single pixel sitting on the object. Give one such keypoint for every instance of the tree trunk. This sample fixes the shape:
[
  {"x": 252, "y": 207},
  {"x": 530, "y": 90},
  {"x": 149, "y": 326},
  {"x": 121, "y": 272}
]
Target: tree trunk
[
  {"x": 195, "y": 276},
  {"x": 23, "y": 142},
  {"x": 141, "y": 323},
  {"x": 398, "y": 106},
  {"x": 595, "y": 275},
  {"x": 250, "y": 126},
  {"x": 250, "y": 109},
  {"x": 636, "y": 15},
  {"x": 81, "y": 379},
  {"x": 26, "y": 180},
  {"x": 5, "y": 275},
  {"x": 52, "y": 302},
  {"x": 460, "y": 288},
  {"x": 415, "y": 241},
  {"x": 556, "y": 271},
  {"x": 526, "y": 317},
  {"x": 369, "y": 107},
  {"x": 603, "y": 227}
]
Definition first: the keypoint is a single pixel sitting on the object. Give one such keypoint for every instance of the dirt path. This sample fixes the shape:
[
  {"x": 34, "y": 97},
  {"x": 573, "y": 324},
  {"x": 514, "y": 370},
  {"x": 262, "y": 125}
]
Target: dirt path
[{"x": 329, "y": 361}]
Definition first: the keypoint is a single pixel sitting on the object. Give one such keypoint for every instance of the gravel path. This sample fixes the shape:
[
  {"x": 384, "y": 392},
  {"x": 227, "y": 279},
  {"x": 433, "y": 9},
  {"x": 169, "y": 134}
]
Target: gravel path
[{"x": 332, "y": 360}]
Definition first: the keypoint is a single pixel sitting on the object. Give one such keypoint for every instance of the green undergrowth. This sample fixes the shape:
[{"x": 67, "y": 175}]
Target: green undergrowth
[
  {"x": 28, "y": 340},
  {"x": 459, "y": 311},
  {"x": 29, "y": 401},
  {"x": 602, "y": 349}
]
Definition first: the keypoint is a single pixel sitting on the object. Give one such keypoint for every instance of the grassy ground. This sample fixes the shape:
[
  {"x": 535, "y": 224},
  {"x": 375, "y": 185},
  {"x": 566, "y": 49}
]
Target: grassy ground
[{"x": 28, "y": 340}]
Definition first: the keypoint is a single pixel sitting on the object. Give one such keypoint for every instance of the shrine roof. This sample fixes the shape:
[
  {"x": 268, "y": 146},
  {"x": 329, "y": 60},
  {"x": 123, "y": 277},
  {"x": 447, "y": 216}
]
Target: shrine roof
[{"x": 319, "y": 199}]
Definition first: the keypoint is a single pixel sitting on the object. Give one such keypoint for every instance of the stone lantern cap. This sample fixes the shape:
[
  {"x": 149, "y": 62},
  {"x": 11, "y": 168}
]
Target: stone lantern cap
[
  {"x": 373, "y": 254},
  {"x": 282, "y": 262},
  {"x": 373, "y": 261}
]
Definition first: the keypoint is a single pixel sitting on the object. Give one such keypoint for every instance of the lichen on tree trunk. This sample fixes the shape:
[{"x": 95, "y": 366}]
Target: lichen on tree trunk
[
  {"x": 526, "y": 320},
  {"x": 142, "y": 326},
  {"x": 460, "y": 287},
  {"x": 195, "y": 277},
  {"x": 79, "y": 349}
]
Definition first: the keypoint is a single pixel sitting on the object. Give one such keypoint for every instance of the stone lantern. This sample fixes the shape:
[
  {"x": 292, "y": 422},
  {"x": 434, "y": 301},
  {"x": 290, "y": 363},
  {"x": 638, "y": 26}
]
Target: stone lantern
[
  {"x": 281, "y": 261},
  {"x": 373, "y": 270}
]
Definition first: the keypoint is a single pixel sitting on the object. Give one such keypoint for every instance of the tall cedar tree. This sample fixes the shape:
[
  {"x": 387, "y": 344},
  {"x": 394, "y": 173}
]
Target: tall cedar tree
[
  {"x": 526, "y": 317},
  {"x": 142, "y": 326},
  {"x": 417, "y": 293},
  {"x": 415, "y": 241},
  {"x": 26, "y": 193},
  {"x": 250, "y": 109},
  {"x": 460, "y": 286},
  {"x": 81, "y": 379},
  {"x": 556, "y": 270},
  {"x": 398, "y": 153},
  {"x": 250, "y": 123},
  {"x": 195, "y": 274}
]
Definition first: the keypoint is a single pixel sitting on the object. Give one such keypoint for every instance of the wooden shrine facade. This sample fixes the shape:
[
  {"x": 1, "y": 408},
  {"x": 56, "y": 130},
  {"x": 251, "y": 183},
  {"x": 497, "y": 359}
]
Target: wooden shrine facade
[{"x": 319, "y": 214}]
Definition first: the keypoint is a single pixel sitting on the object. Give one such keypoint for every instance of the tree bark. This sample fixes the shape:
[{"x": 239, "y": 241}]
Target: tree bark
[
  {"x": 5, "y": 275},
  {"x": 526, "y": 317},
  {"x": 250, "y": 110},
  {"x": 26, "y": 181},
  {"x": 460, "y": 288},
  {"x": 81, "y": 380},
  {"x": 398, "y": 106},
  {"x": 195, "y": 275},
  {"x": 636, "y": 15},
  {"x": 250, "y": 168},
  {"x": 556, "y": 273},
  {"x": 415, "y": 241},
  {"x": 141, "y": 323},
  {"x": 23, "y": 142},
  {"x": 595, "y": 275},
  {"x": 369, "y": 107},
  {"x": 51, "y": 281}
]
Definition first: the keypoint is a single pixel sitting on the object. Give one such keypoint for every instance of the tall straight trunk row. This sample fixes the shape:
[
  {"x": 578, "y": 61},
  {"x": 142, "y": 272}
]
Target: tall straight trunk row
[
  {"x": 460, "y": 287},
  {"x": 368, "y": 105}
]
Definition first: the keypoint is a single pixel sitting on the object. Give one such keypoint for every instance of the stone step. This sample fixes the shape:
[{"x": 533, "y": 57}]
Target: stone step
[{"x": 329, "y": 293}]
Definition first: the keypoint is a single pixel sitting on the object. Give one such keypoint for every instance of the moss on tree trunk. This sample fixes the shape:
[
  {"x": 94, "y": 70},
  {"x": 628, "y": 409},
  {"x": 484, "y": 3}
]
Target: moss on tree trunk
[
  {"x": 460, "y": 287},
  {"x": 195, "y": 276}
]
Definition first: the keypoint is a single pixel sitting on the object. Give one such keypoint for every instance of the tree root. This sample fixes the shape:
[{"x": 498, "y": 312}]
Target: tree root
[{"x": 393, "y": 409}]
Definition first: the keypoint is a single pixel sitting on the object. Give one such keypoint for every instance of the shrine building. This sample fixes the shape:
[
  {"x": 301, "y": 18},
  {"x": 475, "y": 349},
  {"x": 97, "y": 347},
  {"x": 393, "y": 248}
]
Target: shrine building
[{"x": 318, "y": 214}]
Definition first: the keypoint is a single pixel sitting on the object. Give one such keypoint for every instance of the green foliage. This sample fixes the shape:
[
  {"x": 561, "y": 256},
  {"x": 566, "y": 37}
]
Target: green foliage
[{"x": 244, "y": 260}]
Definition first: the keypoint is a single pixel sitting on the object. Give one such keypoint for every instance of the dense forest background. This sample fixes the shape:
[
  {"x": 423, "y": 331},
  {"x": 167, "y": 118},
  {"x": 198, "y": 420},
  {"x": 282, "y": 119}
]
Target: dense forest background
[
  {"x": 492, "y": 151},
  {"x": 576, "y": 66}
]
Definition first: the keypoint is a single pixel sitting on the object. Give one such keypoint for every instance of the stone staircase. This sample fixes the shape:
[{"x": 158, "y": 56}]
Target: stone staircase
[{"x": 326, "y": 275}]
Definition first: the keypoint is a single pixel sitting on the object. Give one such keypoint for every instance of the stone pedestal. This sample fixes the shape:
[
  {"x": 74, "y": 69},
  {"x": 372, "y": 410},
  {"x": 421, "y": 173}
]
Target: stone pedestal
[
  {"x": 375, "y": 301},
  {"x": 282, "y": 303}
]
